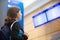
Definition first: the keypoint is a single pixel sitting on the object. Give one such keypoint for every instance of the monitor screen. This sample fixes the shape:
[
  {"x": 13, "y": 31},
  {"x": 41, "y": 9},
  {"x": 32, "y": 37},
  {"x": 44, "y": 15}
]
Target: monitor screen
[
  {"x": 39, "y": 19},
  {"x": 53, "y": 13},
  {"x": 47, "y": 15}
]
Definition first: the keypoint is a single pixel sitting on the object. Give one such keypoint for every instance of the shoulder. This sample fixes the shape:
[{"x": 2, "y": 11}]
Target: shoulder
[{"x": 16, "y": 25}]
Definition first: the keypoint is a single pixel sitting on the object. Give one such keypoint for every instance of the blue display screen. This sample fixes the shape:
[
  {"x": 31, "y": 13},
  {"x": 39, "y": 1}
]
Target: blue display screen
[
  {"x": 20, "y": 5},
  {"x": 39, "y": 20},
  {"x": 47, "y": 15},
  {"x": 53, "y": 13}
]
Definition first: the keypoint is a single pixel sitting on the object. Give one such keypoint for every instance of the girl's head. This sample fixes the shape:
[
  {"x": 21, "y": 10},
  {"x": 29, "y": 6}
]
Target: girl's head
[{"x": 13, "y": 14}]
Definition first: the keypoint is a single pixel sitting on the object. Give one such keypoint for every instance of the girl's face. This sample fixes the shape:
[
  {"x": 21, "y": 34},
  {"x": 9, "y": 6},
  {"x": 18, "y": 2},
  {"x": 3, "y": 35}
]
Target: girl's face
[{"x": 19, "y": 16}]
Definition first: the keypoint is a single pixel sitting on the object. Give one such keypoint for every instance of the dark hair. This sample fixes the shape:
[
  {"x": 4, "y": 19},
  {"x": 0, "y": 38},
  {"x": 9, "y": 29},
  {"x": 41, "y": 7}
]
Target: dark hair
[{"x": 12, "y": 14}]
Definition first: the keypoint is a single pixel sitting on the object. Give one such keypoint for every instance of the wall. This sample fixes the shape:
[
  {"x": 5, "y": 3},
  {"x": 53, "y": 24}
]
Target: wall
[
  {"x": 3, "y": 9},
  {"x": 44, "y": 32}
]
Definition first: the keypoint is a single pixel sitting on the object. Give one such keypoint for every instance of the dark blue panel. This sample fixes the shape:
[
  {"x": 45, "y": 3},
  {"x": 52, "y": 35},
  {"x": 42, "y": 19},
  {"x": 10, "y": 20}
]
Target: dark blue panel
[{"x": 19, "y": 4}]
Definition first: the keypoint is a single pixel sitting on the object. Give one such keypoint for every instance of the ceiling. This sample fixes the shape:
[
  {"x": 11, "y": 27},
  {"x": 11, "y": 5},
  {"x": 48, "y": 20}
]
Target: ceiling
[
  {"x": 31, "y": 5},
  {"x": 25, "y": 2}
]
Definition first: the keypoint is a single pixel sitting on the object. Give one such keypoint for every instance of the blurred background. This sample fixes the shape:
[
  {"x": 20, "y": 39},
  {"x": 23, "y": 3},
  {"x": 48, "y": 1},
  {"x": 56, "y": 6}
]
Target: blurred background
[{"x": 40, "y": 19}]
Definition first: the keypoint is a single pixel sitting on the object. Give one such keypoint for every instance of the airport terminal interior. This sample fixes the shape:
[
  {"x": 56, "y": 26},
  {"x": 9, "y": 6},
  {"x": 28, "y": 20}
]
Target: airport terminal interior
[{"x": 41, "y": 18}]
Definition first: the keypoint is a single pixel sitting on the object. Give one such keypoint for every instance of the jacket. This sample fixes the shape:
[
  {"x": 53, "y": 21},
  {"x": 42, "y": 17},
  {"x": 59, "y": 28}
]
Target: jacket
[{"x": 15, "y": 30}]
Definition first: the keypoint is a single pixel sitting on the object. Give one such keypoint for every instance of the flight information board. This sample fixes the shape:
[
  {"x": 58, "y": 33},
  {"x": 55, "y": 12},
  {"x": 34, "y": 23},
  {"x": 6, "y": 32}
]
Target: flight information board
[
  {"x": 39, "y": 19},
  {"x": 47, "y": 15}
]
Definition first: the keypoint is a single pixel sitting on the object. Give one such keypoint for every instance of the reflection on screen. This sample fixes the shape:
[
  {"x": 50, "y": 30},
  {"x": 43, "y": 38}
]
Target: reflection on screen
[
  {"x": 39, "y": 20},
  {"x": 53, "y": 13}
]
